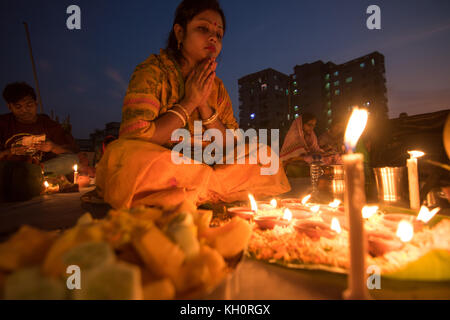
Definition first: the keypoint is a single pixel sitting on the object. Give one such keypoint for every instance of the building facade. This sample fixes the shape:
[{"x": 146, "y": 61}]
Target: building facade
[
  {"x": 330, "y": 90},
  {"x": 270, "y": 99},
  {"x": 263, "y": 100}
]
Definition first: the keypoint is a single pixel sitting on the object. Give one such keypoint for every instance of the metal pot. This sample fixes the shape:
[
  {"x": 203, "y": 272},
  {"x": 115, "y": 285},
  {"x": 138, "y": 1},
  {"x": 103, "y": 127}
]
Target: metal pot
[{"x": 331, "y": 183}]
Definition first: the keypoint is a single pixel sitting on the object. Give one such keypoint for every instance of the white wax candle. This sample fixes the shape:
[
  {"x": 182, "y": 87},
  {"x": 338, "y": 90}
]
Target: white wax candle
[
  {"x": 413, "y": 181},
  {"x": 75, "y": 174},
  {"x": 355, "y": 199}
]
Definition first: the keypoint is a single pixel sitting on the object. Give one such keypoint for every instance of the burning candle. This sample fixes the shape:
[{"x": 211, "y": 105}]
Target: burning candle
[
  {"x": 369, "y": 211},
  {"x": 355, "y": 199},
  {"x": 75, "y": 174},
  {"x": 269, "y": 222},
  {"x": 405, "y": 231},
  {"x": 413, "y": 179},
  {"x": 245, "y": 212},
  {"x": 425, "y": 214}
]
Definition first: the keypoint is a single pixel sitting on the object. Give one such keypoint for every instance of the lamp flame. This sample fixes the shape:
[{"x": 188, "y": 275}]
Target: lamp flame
[
  {"x": 306, "y": 199},
  {"x": 253, "y": 204},
  {"x": 274, "y": 203},
  {"x": 287, "y": 214},
  {"x": 405, "y": 231},
  {"x": 46, "y": 184},
  {"x": 425, "y": 214},
  {"x": 75, "y": 168},
  {"x": 315, "y": 209},
  {"x": 355, "y": 127},
  {"x": 335, "y": 225},
  {"x": 335, "y": 204},
  {"x": 369, "y": 211},
  {"x": 416, "y": 154}
]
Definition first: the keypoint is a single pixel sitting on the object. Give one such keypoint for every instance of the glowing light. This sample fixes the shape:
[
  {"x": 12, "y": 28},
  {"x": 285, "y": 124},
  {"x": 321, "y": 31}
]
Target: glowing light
[
  {"x": 274, "y": 203},
  {"x": 369, "y": 211},
  {"x": 75, "y": 168},
  {"x": 425, "y": 214},
  {"x": 335, "y": 225},
  {"x": 306, "y": 199},
  {"x": 335, "y": 203},
  {"x": 355, "y": 127},
  {"x": 253, "y": 204},
  {"x": 46, "y": 184},
  {"x": 287, "y": 215},
  {"x": 405, "y": 231},
  {"x": 315, "y": 209},
  {"x": 416, "y": 154}
]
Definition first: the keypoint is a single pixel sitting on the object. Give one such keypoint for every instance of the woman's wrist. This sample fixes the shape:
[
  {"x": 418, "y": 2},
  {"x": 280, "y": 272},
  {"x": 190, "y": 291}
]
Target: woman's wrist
[{"x": 189, "y": 107}]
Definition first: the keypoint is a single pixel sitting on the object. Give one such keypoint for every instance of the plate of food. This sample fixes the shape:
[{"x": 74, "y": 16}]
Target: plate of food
[
  {"x": 141, "y": 253},
  {"x": 418, "y": 250}
]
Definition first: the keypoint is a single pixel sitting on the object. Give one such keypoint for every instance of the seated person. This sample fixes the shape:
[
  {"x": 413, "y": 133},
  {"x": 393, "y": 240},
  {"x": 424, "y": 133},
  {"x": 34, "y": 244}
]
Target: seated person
[
  {"x": 333, "y": 139},
  {"x": 56, "y": 154},
  {"x": 301, "y": 142},
  {"x": 169, "y": 91}
]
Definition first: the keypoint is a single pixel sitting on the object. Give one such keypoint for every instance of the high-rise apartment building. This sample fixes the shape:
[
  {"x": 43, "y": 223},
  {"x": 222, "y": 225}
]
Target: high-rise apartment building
[{"x": 271, "y": 99}]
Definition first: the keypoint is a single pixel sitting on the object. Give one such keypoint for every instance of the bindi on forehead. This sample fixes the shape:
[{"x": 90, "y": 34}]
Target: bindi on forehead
[{"x": 214, "y": 23}]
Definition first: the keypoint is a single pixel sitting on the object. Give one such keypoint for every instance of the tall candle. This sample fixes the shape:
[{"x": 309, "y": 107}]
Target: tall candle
[
  {"x": 75, "y": 174},
  {"x": 413, "y": 179},
  {"x": 355, "y": 199}
]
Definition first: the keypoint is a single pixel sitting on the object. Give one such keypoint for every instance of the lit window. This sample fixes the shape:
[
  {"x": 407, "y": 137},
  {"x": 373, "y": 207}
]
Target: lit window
[
  {"x": 276, "y": 87},
  {"x": 336, "y": 83},
  {"x": 296, "y": 116},
  {"x": 295, "y": 91},
  {"x": 329, "y": 121},
  {"x": 336, "y": 73},
  {"x": 373, "y": 61},
  {"x": 329, "y": 112},
  {"x": 337, "y": 92},
  {"x": 275, "y": 77},
  {"x": 327, "y": 76},
  {"x": 327, "y": 86},
  {"x": 295, "y": 83},
  {"x": 329, "y": 103},
  {"x": 263, "y": 86},
  {"x": 367, "y": 104},
  {"x": 362, "y": 65},
  {"x": 287, "y": 92},
  {"x": 349, "y": 79},
  {"x": 294, "y": 76},
  {"x": 259, "y": 80},
  {"x": 252, "y": 116},
  {"x": 296, "y": 108}
]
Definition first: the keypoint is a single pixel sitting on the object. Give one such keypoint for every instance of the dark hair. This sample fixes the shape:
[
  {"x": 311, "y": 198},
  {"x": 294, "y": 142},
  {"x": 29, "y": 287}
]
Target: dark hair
[
  {"x": 308, "y": 116},
  {"x": 16, "y": 91},
  {"x": 186, "y": 11}
]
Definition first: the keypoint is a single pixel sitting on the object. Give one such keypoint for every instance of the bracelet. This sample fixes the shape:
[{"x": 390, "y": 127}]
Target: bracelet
[
  {"x": 179, "y": 115},
  {"x": 211, "y": 119},
  {"x": 186, "y": 113}
]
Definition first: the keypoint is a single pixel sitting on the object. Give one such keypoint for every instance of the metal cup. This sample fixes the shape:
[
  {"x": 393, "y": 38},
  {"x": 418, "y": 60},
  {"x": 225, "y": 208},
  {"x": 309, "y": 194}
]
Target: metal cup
[{"x": 392, "y": 185}]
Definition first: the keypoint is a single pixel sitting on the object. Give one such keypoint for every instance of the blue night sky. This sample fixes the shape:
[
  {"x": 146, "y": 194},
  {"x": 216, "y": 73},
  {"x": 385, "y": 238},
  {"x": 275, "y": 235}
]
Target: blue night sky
[{"x": 85, "y": 72}]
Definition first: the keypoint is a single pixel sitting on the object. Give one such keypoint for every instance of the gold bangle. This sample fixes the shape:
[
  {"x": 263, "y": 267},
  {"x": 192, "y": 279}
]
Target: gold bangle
[
  {"x": 186, "y": 113},
  {"x": 211, "y": 119},
  {"x": 179, "y": 115}
]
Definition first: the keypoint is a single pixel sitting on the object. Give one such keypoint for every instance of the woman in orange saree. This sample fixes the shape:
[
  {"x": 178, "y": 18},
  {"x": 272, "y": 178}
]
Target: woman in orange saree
[{"x": 167, "y": 92}]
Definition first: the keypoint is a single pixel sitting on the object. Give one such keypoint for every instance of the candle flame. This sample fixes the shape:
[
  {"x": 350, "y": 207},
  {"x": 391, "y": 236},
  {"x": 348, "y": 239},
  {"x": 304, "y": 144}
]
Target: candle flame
[
  {"x": 335, "y": 225},
  {"x": 405, "y": 231},
  {"x": 253, "y": 204},
  {"x": 355, "y": 127},
  {"x": 287, "y": 214},
  {"x": 274, "y": 203},
  {"x": 75, "y": 168},
  {"x": 315, "y": 209},
  {"x": 335, "y": 203},
  {"x": 306, "y": 199},
  {"x": 46, "y": 184},
  {"x": 369, "y": 211},
  {"x": 416, "y": 154},
  {"x": 425, "y": 214}
]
